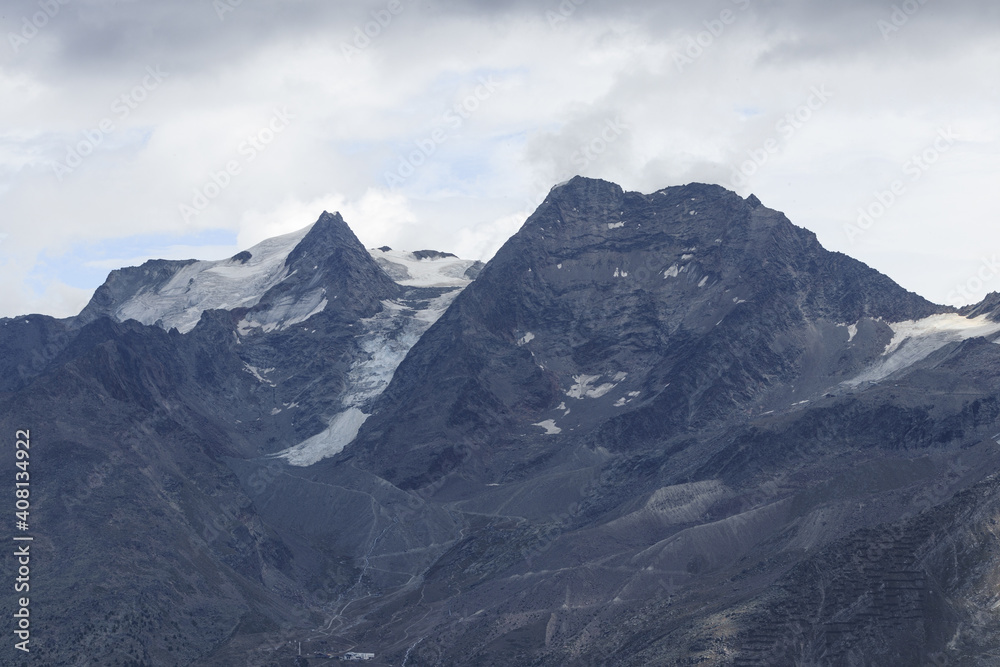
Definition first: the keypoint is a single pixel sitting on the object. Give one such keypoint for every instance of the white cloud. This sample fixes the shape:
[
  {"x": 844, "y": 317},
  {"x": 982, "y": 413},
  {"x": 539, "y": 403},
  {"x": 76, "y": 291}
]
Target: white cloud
[
  {"x": 483, "y": 240},
  {"x": 380, "y": 216}
]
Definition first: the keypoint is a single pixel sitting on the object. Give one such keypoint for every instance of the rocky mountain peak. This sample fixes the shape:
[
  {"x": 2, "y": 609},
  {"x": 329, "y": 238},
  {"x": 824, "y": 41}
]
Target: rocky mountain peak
[
  {"x": 282, "y": 279},
  {"x": 989, "y": 306},
  {"x": 672, "y": 308},
  {"x": 328, "y": 268}
]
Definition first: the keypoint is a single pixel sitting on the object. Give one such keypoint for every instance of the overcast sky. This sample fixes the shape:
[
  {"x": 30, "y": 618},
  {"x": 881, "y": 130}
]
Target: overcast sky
[{"x": 139, "y": 129}]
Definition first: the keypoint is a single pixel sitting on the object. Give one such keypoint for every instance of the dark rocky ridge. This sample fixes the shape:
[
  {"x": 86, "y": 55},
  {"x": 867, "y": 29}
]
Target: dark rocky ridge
[
  {"x": 123, "y": 284},
  {"x": 989, "y": 306},
  {"x": 431, "y": 254},
  {"x": 28, "y": 345}
]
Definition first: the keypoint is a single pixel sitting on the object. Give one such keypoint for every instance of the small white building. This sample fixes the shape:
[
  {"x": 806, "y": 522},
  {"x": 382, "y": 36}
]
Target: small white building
[{"x": 358, "y": 656}]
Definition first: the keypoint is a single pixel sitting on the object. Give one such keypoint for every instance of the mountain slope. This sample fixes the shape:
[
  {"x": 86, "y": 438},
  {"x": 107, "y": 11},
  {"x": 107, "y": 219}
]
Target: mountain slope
[
  {"x": 676, "y": 309},
  {"x": 663, "y": 428},
  {"x": 153, "y": 445},
  {"x": 719, "y": 383}
]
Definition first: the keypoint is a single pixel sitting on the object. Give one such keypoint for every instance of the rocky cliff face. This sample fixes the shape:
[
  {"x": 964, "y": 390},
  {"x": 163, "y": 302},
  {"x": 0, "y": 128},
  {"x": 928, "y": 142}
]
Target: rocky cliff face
[
  {"x": 631, "y": 318},
  {"x": 663, "y": 428}
]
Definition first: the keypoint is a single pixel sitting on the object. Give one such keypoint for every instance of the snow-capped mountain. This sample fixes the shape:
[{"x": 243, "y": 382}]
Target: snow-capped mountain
[
  {"x": 258, "y": 282},
  {"x": 197, "y": 286},
  {"x": 664, "y": 428}
]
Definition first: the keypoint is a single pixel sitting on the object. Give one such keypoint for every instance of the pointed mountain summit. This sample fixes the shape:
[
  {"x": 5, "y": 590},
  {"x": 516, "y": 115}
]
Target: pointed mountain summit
[
  {"x": 657, "y": 410},
  {"x": 283, "y": 280},
  {"x": 328, "y": 268},
  {"x": 989, "y": 306}
]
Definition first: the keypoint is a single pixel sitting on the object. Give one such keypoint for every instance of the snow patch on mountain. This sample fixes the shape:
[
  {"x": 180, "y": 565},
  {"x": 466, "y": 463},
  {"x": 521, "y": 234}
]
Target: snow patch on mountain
[
  {"x": 582, "y": 389},
  {"x": 342, "y": 430},
  {"x": 258, "y": 373},
  {"x": 409, "y": 270},
  {"x": 550, "y": 427},
  {"x": 203, "y": 285},
  {"x": 914, "y": 340},
  {"x": 287, "y": 311}
]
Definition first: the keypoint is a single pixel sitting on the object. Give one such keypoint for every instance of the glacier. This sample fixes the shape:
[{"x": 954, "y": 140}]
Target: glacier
[
  {"x": 915, "y": 340},
  {"x": 385, "y": 340}
]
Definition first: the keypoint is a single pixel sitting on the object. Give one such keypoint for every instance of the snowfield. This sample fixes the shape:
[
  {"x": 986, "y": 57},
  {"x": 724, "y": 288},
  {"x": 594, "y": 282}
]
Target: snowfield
[
  {"x": 341, "y": 431},
  {"x": 914, "y": 340},
  {"x": 409, "y": 271},
  {"x": 206, "y": 285}
]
